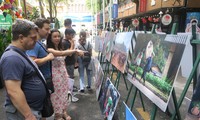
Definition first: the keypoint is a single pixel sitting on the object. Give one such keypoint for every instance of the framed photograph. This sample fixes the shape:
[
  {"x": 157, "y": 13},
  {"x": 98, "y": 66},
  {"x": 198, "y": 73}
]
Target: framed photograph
[
  {"x": 98, "y": 77},
  {"x": 155, "y": 64},
  {"x": 108, "y": 44},
  {"x": 121, "y": 50},
  {"x": 108, "y": 100}
]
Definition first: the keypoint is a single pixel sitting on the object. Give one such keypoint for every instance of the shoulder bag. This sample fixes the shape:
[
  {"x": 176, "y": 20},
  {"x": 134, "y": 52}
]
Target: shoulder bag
[{"x": 87, "y": 56}]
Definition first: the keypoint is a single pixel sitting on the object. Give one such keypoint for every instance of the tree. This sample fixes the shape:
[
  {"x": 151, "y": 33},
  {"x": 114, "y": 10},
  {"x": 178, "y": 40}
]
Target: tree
[
  {"x": 35, "y": 14},
  {"x": 96, "y": 5},
  {"x": 41, "y": 3},
  {"x": 52, "y": 8}
]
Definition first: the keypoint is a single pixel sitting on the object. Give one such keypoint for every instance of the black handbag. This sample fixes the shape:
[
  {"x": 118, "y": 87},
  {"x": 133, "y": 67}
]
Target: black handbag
[
  {"x": 47, "y": 109},
  {"x": 87, "y": 56}
]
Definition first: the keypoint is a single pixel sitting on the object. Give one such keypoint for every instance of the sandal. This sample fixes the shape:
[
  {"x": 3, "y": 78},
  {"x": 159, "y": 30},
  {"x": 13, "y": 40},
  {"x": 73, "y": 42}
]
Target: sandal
[
  {"x": 66, "y": 116},
  {"x": 58, "y": 117}
]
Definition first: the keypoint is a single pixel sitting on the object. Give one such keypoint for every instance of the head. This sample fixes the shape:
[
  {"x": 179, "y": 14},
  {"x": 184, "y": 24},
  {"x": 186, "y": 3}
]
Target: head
[
  {"x": 43, "y": 27},
  {"x": 54, "y": 39},
  {"x": 68, "y": 22},
  {"x": 69, "y": 33},
  {"x": 25, "y": 33},
  {"x": 82, "y": 37}
]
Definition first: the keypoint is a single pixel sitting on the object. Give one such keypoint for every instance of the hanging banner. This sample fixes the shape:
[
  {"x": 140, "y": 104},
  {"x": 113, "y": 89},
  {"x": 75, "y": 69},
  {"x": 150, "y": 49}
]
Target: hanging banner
[
  {"x": 115, "y": 11},
  {"x": 143, "y": 4}
]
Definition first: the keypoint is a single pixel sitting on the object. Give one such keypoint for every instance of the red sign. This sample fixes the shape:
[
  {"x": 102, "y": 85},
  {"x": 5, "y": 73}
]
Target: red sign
[{"x": 142, "y": 5}]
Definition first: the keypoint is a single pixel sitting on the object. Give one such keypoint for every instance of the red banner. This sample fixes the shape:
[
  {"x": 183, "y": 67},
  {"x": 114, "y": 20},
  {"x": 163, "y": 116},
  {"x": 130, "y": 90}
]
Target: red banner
[{"x": 143, "y": 4}]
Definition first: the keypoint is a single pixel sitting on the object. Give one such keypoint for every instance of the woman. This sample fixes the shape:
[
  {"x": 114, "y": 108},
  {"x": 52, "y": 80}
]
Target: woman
[
  {"x": 59, "y": 74},
  {"x": 85, "y": 46}
]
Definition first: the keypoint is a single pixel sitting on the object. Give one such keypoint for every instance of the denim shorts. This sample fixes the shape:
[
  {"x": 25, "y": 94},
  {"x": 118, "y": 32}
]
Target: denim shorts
[{"x": 13, "y": 114}]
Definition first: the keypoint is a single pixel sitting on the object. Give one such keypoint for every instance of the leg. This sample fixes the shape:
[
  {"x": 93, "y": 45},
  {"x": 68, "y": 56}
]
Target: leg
[
  {"x": 70, "y": 71},
  {"x": 81, "y": 73},
  {"x": 88, "y": 72}
]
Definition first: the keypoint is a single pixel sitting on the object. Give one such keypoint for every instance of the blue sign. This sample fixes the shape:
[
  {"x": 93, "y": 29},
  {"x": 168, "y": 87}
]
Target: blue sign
[
  {"x": 81, "y": 18},
  {"x": 115, "y": 11},
  {"x": 129, "y": 114}
]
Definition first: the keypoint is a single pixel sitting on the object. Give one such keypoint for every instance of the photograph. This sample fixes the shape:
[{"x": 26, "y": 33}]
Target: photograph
[
  {"x": 98, "y": 77},
  {"x": 108, "y": 44},
  {"x": 108, "y": 100},
  {"x": 121, "y": 49},
  {"x": 98, "y": 44},
  {"x": 154, "y": 66}
]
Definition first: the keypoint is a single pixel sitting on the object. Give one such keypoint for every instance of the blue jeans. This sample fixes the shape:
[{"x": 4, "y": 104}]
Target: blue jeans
[
  {"x": 81, "y": 70},
  {"x": 13, "y": 114}
]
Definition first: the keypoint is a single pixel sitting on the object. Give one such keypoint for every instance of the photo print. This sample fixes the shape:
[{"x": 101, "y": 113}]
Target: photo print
[
  {"x": 108, "y": 44},
  {"x": 98, "y": 77},
  {"x": 98, "y": 44},
  {"x": 155, "y": 63},
  {"x": 108, "y": 100},
  {"x": 121, "y": 50}
]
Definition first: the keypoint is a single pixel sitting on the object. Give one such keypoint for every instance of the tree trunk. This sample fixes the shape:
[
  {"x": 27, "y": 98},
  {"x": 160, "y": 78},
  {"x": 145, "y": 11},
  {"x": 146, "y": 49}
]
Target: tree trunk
[
  {"x": 50, "y": 10},
  {"x": 41, "y": 9},
  {"x": 55, "y": 10}
]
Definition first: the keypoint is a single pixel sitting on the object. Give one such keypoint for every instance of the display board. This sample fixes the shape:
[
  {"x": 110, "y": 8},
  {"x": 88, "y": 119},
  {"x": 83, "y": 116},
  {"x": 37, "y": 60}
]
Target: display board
[
  {"x": 155, "y": 65},
  {"x": 109, "y": 98},
  {"x": 108, "y": 44},
  {"x": 128, "y": 114},
  {"x": 98, "y": 44},
  {"x": 121, "y": 50},
  {"x": 98, "y": 77}
]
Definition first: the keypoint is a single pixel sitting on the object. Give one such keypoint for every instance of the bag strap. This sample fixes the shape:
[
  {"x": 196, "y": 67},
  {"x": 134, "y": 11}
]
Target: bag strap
[
  {"x": 46, "y": 52},
  {"x": 31, "y": 63},
  {"x": 87, "y": 46}
]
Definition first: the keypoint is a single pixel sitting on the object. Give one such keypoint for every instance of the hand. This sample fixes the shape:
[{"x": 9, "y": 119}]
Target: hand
[
  {"x": 50, "y": 56},
  {"x": 30, "y": 117},
  {"x": 80, "y": 52}
]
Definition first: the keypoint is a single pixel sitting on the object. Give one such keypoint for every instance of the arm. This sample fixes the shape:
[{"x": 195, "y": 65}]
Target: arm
[
  {"x": 61, "y": 53},
  {"x": 41, "y": 61},
  {"x": 18, "y": 99}
]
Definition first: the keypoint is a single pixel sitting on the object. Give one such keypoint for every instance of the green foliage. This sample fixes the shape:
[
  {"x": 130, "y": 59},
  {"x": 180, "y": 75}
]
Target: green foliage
[
  {"x": 57, "y": 24},
  {"x": 35, "y": 14},
  {"x": 96, "y": 5},
  {"x": 5, "y": 40},
  {"x": 162, "y": 84}
]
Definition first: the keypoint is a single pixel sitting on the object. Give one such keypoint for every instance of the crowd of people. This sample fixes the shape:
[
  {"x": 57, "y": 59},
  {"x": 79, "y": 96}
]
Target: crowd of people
[{"x": 55, "y": 62}]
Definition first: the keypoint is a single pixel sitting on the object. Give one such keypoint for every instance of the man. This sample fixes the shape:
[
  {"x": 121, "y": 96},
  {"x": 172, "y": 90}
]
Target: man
[
  {"x": 69, "y": 44},
  {"x": 25, "y": 90},
  {"x": 67, "y": 25},
  {"x": 39, "y": 53}
]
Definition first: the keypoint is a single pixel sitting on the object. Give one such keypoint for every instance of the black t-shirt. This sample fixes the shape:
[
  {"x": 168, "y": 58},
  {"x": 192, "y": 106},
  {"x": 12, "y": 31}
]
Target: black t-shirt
[{"x": 69, "y": 60}]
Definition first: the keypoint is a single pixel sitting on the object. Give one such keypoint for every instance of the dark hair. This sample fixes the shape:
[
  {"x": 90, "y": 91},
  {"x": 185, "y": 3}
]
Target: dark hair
[
  {"x": 69, "y": 31},
  {"x": 82, "y": 33},
  {"x": 40, "y": 22},
  {"x": 67, "y": 22},
  {"x": 22, "y": 27},
  {"x": 50, "y": 43}
]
